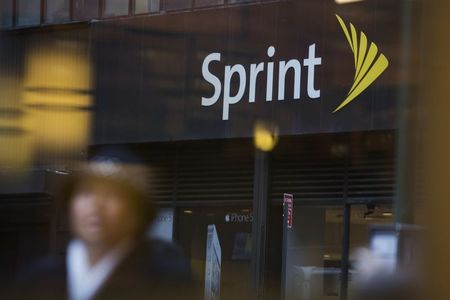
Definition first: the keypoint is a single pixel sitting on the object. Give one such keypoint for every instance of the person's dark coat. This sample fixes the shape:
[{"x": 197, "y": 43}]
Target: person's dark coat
[{"x": 153, "y": 270}]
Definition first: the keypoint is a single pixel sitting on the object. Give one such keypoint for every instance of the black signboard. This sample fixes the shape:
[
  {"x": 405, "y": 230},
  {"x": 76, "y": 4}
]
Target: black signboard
[{"x": 214, "y": 73}]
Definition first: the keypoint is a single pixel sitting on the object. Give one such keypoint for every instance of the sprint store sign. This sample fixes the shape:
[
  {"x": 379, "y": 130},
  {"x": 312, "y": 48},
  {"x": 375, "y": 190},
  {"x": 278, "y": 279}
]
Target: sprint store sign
[{"x": 369, "y": 65}]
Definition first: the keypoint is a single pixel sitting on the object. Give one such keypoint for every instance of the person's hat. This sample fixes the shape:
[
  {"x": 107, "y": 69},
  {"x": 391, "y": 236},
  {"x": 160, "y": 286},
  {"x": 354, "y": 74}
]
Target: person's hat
[{"x": 117, "y": 165}]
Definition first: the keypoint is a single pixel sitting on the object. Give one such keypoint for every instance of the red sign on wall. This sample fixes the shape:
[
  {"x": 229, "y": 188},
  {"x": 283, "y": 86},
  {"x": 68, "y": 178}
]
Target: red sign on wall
[{"x": 288, "y": 202}]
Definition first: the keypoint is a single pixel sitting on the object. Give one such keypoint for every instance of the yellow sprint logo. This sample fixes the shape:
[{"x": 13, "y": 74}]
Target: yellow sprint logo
[{"x": 366, "y": 70}]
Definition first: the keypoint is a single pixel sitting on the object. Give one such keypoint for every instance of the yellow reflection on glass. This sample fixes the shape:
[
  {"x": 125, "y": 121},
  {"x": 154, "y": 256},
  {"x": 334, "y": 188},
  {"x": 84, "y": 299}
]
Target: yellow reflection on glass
[
  {"x": 16, "y": 147},
  {"x": 265, "y": 136},
  {"x": 16, "y": 150},
  {"x": 57, "y": 95},
  {"x": 59, "y": 131}
]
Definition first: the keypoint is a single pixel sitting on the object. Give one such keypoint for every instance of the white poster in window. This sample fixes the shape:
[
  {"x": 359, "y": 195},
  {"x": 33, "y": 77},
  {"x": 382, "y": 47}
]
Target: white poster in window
[
  {"x": 162, "y": 227},
  {"x": 212, "y": 265}
]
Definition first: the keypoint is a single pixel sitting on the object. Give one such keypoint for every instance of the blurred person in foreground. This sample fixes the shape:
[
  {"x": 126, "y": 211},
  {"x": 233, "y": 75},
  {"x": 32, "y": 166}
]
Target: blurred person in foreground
[
  {"x": 110, "y": 256},
  {"x": 380, "y": 279}
]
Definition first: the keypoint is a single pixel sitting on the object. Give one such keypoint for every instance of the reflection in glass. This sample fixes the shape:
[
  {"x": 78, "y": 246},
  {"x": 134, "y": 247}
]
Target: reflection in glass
[
  {"x": 57, "y": 96},
  {"x": 313, "y": 254},
  {"x": 5, "y": 13},
  {"x": 314, "y": 250},
  {"x": 233, "y": 226},
  {"x": 145, "y": 6},
  {"x": 176, "y": 4},
  {"x": 29, "y": 12},
  {"x": 57, "y": 11},
  {"x": 265, "y": 136},
  {"x": 16, "y": 149},
  {"x": 240, "y": 1},
  {"x": 371, "y": 254},
  {"x": 85, "y": 9},
  {"x": 201, "y": 3},
  {"x": 116, "y": 8}
]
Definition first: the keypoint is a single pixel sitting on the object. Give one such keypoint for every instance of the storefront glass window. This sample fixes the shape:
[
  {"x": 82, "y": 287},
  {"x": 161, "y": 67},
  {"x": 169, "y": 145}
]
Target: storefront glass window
[
  {"x": 313, "y": 253},
  {"x": 57, "y": 11},
  {"x": 233, "y": 227},
  {"x": 233, "y": 104},
  {"x": 116, "y": 8},
  {"x": 146, "y": 6},
  {"x": 29, "y": 12},
  {"x": 371, "y": 240}
]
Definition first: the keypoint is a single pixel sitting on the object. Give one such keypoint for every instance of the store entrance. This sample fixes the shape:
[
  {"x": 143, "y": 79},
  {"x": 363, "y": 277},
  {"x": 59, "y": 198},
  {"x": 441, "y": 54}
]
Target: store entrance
[{"x": 322, "y": 248}]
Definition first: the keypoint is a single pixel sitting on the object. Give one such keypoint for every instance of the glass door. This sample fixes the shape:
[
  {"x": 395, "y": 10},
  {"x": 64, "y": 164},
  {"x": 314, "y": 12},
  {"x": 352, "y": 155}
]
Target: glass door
[
  {"x": 322, "y": 246},
  {"x": 312, "y": 253}
]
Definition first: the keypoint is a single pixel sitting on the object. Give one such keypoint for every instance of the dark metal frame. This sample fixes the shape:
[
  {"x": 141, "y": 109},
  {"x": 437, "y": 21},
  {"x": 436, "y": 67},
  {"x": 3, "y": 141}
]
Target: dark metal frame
[
  {"x": 345, "y": 252},
  {"x": 14, "y": 13},
  {"x": 283, "y": 253},
  {"x": 43, "y": 16},
  {"x": 261, "y": 206},
  {"x": 100, "y": 13},
  {"x": 131, "y": 7},
  {"x": 101, "y": 8},
  {"x": 71, "y": 8}
]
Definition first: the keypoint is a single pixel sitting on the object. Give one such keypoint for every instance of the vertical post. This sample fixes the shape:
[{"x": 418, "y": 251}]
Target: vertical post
[
  {"x": 405, "y": 139},
  {"x": 434, "y": 201},
  {"x": 101, "y": 8},
  {"x": 345, "y": 252},
  {"x": 43, "y": 11},
  {"x": 53, "y": 187},
  {"x": 14, "y": 13},
  {"x": 261, "y": 188},
  {"x": 71, "y": 9},
  {"x": 284, "y": 253},
  {"x": 131, "y": 7}
]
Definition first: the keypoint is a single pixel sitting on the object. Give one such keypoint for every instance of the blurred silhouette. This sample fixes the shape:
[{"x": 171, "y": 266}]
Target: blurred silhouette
[
  {"x": 109, "y": 256},
  {"x": 390, "y": 267}
]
